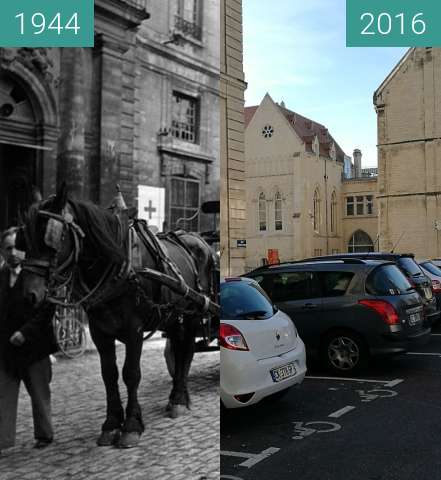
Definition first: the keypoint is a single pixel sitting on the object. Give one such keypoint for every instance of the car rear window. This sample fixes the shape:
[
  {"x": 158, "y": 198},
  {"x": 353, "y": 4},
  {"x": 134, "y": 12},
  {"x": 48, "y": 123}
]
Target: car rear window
[
  {"x": 335, "y": 284},
  {"x": 430, "y": 267},
  {"x": 387, "y": 280},
  {"x": 409, "y": 266},
  {"x": 244, "y": 301}
]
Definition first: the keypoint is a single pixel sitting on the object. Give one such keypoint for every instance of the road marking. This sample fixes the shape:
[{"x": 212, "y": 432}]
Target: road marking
[
  {"x": 302, "y": 431},
  {"x": 253, "y": 458},
  {"x": 371, "y": 395},
  {"x": 229, "y": 477},
  {"x": 341, "y": 412},
  {"x": 436, "y": 334},
  {"x": 388, "y": 383},
  {"x": 394, "y": 383},
  {"x": 427, "y": 354}
]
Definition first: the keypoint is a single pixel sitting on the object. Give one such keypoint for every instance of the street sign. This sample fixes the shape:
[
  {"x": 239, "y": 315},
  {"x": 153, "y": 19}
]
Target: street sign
[{"x": 241, "y": 243}]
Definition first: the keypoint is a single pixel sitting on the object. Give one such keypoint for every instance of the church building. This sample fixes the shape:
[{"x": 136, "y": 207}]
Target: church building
[{"x": 301, "y": 200}]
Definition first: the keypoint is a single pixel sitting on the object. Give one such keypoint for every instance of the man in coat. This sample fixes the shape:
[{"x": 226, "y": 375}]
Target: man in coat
[{"x": 26, "y": 341}]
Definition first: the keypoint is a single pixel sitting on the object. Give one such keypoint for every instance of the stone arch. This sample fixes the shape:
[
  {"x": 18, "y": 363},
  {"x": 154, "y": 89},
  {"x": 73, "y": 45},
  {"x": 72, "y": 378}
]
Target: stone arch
[
  {"x": 360, "y": 242},
  {"x": 36, "y": 85}
]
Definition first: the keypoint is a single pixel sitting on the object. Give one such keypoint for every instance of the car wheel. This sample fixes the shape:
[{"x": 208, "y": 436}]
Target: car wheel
[{"x": 344, "y": 351}]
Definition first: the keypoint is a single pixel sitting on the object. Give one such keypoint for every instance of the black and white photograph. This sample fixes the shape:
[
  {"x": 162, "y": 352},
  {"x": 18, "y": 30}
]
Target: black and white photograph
[{"x": 110, "y": 248}]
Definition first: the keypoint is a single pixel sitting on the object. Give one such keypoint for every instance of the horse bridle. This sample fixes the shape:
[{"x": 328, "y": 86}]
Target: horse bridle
[{"x": 55, "y": 274}]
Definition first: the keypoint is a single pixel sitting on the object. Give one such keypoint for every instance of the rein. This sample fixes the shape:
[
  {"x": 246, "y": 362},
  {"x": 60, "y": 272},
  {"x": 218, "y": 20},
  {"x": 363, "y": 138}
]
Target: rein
[{"x": 57, "y": 278}]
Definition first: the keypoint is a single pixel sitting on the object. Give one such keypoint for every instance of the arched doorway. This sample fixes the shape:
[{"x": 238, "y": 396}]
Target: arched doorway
[
  {"x": 19, "y": 169},
  {"x": 360, "y": 242}
]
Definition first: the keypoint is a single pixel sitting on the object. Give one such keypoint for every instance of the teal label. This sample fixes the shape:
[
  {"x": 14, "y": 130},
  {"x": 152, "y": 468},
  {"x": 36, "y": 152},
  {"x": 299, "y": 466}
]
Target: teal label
[
  {"x": 393, "y": 23},
  {"x": 47, "y": 23}
]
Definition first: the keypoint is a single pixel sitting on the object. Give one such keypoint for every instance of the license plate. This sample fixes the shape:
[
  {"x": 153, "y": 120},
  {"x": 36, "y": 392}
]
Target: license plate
[
  {"x": 282, "y": 373},
  {"x": 414, "y": 318}
]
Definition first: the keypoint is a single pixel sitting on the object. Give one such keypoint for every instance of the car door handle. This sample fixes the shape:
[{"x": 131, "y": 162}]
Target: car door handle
[{"x": 309, "y": 306}]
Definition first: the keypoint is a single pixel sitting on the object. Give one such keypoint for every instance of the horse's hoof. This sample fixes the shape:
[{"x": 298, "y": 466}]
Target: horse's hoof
[
  {"x": 129, "y": 440},
  {"x": 108, "y": 438},
  {"x": 175, "y": 411}
]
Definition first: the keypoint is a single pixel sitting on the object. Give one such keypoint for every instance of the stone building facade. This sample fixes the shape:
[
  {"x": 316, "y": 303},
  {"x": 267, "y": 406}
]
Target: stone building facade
[
  {"x": 233, "y": 206},
  {"x": 408, "y": 105},
  {"x": 140, "y": 109},
  {"x": 299, "y": 201}
]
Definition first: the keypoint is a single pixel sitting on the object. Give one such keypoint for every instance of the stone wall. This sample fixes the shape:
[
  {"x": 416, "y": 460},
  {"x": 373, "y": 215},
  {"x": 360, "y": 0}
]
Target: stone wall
[{"x": 233, "y": 208}]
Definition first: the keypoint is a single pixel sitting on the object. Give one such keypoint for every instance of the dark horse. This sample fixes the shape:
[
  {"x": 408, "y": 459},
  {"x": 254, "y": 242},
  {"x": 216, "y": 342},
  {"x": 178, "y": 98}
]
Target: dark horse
[{"x": 86, "y": 248}]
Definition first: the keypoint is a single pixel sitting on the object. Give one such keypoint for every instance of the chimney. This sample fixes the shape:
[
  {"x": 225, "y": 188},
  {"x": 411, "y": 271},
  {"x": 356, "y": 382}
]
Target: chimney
[{"x": 357, "y": 162}]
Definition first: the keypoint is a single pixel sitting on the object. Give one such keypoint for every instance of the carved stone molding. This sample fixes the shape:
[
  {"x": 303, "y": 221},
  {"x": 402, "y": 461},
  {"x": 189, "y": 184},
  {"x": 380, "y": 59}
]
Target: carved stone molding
[{"x": 34, "y": 59}]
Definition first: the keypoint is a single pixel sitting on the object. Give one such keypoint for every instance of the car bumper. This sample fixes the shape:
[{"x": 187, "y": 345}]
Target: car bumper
[
  {"x": 398, "y": 342},
  {"x": 242, "y": 374}
]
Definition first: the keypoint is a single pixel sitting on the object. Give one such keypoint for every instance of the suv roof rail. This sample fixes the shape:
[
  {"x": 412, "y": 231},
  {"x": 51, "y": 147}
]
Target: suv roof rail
[
  {"x": 354, "y": 261},
  {"x": 330, "y": 259}
]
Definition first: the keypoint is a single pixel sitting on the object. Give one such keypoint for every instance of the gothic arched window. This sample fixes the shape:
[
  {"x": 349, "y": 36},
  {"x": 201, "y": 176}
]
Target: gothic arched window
[
  {"x": 278, "y": 219},
  {"x": 360, "y": 242},
  {"x": 262, "y": 212},
  {"x": 316, "y": 210},
  {"x": 334, "y": 212}
]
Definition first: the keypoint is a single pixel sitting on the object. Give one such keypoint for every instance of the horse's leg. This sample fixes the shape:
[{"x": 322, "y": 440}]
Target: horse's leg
[
  {"x": 111, "y": 428},
  {"x": 133, "y": 425},
  {"x": 182, "y": 339}
]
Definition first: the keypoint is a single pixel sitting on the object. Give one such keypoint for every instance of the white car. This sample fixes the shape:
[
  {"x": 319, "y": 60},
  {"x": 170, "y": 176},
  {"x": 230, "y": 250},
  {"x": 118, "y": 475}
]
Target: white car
[{"x": 261, "y": 352}]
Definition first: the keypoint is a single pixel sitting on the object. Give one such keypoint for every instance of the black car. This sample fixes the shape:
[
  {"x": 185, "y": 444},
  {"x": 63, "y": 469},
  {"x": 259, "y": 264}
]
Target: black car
[
  {"x": 347, "y": 310},
  {"x": 407, "y": 264}
]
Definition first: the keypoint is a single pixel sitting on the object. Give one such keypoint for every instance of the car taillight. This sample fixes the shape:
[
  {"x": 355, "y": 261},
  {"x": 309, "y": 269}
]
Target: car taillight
[
  {"x": 386, "y": 311},
  {"x": 436, "y": 286},
  {"x": 231, "y": 338}
]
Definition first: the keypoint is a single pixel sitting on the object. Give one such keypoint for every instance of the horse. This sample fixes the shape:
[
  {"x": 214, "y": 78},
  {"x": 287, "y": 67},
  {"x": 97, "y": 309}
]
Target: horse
[{"x": 87, "y": 248}]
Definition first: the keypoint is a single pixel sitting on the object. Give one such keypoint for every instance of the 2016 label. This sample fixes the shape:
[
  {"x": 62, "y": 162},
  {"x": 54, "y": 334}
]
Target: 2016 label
[{"x": 384, "y": 23}]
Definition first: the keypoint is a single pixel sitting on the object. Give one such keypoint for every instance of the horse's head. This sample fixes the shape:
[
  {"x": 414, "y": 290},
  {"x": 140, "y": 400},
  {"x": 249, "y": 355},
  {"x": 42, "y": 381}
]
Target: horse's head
[{"x": 52, "y": 247}]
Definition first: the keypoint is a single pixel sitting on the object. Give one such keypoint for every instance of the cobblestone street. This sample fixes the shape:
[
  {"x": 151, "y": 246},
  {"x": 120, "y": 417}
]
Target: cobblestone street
[{"x": 183, "y": 449}]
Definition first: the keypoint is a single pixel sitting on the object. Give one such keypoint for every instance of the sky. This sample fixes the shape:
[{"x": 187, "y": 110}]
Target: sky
[{"x": 295, "y": 50}]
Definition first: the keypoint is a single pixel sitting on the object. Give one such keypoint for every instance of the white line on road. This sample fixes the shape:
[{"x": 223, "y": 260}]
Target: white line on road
[
  {"x": 436, "y": 334},
  {"x": 427, "y": 354},
  {"x": 341, "y": 412},
  {"x": 360, "y": 380},
  {"x": 394, "y": 383},
  {"x": 253, "y": 458}
]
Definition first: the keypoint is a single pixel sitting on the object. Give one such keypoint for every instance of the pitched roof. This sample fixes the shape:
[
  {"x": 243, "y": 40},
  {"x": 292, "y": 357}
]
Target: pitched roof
[{"x": 306, "y": 129}]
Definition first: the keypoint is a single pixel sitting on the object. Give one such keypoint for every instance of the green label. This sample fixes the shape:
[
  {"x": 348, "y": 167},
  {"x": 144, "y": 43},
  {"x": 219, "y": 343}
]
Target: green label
[
  {"x": 393, "y": 23},
  {"x": 47, "y": 23}
]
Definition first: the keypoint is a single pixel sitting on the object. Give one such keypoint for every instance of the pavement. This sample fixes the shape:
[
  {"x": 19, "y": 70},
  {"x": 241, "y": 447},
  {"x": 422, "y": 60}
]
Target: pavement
[
  {"x": 383, "y": 424},
  {"x": 183, "y": 449}
]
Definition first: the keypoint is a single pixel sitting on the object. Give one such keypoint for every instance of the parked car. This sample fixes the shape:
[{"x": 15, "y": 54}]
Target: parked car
[
  {"x": 347, "y": 310},
  {"x": 261, "y": 351},
  {"x": 436, "y": 261},
  {"x": 434, "y": 273},
  {"x": 407, "y": 264}
]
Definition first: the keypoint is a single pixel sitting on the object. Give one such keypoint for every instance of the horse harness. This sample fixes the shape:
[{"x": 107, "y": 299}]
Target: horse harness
[{"x": 59, "y": 276}]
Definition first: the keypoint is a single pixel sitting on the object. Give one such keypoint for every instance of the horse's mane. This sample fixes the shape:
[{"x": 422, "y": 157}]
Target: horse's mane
[{"x": 103, "y": 230}]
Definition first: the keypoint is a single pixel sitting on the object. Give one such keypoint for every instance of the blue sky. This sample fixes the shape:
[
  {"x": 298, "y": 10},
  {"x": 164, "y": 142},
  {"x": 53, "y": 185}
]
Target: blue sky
[{"x": 295, "y": 50}]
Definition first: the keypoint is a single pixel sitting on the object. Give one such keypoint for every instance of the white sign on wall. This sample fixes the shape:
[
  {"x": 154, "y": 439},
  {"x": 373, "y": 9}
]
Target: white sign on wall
[{"x": 151, "y": 205}]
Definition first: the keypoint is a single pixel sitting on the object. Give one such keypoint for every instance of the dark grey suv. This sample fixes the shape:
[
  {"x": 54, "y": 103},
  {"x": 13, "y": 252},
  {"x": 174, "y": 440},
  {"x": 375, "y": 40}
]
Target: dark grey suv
[{"x": 347, "y": 310}]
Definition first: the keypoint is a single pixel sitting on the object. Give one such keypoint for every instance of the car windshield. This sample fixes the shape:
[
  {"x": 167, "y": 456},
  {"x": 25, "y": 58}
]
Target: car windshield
[
  {"x": 387, "y": 280},
  {"x": 244, "y": 301},
  {"x": 409, "y": 266},
  {"x": 430, "y": 267}
]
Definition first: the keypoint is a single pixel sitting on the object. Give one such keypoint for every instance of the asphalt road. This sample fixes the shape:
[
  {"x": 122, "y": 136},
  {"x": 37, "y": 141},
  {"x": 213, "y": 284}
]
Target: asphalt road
[{"x": 384, "y": 424}]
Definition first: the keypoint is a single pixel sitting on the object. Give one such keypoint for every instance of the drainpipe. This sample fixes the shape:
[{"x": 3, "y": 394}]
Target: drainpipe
[{"x": 326, "y": 209}]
